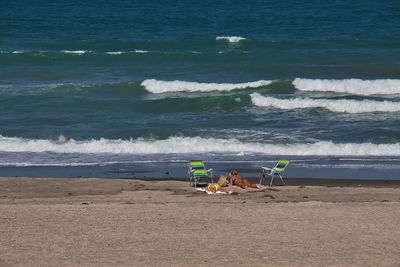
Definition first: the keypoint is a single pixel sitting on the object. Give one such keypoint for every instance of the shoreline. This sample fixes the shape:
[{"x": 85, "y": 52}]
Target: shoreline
[{"x": 179, "y": 171}]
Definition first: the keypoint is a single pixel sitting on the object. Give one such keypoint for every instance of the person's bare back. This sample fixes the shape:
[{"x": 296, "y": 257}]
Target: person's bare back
[{"x": 238, "y": 180}]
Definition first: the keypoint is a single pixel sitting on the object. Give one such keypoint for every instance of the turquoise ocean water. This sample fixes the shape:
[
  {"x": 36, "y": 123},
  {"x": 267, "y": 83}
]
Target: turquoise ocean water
[{"x": 110, "y": 84}]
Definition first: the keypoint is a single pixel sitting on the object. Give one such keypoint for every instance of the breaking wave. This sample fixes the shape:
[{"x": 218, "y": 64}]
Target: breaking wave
[
  {"x": 231, "y": 39},
  {"x": 157, "y": 86},
  {"x": 187, "y": 145},
  {"x": 115, "y": 53},
  {"x": 350, "y": 86},
  {"x": 76, "y": 51},
  {"x": 125, "y": 52},
  {"x": 337, "y": 105}
]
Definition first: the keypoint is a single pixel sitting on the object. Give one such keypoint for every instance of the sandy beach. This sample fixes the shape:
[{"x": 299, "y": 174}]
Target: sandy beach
[{"x": 126, "y": 222}]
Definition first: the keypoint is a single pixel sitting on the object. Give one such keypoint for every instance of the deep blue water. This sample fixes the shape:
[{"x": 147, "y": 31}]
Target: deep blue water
[{"x": 111, "y": 82}]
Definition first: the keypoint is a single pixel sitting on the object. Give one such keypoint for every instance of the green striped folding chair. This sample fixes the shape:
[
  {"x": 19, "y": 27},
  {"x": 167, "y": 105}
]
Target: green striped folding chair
[
  {"x": 277, "y": 170},
  {"x": 198, "y": 171}
]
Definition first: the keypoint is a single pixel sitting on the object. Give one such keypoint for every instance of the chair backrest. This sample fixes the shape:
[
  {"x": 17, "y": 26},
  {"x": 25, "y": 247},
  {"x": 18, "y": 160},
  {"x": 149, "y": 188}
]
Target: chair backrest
[
  {"x": 280, "y": 166},
  {"x": 198, "y": 168}
]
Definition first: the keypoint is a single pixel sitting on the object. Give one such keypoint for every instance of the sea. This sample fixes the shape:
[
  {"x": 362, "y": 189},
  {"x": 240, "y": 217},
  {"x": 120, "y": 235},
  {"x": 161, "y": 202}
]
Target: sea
[{"x": 135, "y": 89}]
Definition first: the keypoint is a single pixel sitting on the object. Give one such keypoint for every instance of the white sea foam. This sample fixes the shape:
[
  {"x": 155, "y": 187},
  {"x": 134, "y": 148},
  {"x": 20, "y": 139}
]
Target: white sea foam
[
  {"x": 189, "y": 145},
  {"x": 340, "y": 105},
  {"x": 115, "y": 53},
  {"x": 231, "y": 39},
  {"x": 157, "y": 86},
  {"x": 63, "y": 164},
  {"x": 76, "y": 51},
  {"x": 121, "y": 52},
  {"x": 350, "y": 86}
]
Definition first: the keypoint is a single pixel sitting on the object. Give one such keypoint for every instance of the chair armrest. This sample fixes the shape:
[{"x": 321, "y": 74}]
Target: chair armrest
[
  {"x": 265, "y": 168},
  {"x": 209, "y": 170}
]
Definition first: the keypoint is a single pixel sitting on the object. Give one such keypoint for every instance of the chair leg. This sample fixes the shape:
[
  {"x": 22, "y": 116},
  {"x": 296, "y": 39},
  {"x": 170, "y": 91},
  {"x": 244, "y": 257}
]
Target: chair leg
[
  {"x": 272, "y": 180},
  {"x": 282, "y": 180},
  {"x": 262, "y": 176}
]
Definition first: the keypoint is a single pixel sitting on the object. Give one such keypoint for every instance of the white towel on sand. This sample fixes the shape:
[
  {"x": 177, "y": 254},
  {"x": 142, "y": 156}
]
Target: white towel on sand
[{"x": 209, "y": 192}]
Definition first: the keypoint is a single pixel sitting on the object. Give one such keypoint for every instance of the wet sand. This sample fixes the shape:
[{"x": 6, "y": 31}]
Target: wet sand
[{"x": 126, "y": 222}]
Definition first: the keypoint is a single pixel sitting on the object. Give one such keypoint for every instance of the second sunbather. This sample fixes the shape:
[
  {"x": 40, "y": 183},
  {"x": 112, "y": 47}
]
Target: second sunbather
[{"x": 238, "y": 180}]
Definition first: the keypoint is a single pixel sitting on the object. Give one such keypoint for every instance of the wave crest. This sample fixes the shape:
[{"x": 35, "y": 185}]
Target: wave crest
[
  {"x": 341, "y": 105},
  {"x": 79, "y": 52},
  {"x": 157, "y": 86},
  {"x": 350, "y": 86},
  {"x": 231, "y": 39},
  {"x": 198, "y": 145}
]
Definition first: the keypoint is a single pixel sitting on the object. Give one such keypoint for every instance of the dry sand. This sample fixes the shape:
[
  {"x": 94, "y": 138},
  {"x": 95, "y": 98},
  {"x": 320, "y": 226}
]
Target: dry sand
[{"x": 107, "y": 222}]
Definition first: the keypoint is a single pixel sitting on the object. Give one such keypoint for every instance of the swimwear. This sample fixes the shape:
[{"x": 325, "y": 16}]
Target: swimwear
[{"x": 209, "y": 186}]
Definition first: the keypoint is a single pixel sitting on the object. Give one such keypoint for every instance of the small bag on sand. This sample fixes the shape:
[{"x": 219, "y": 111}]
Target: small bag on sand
[{"x": 223, "y": 181}]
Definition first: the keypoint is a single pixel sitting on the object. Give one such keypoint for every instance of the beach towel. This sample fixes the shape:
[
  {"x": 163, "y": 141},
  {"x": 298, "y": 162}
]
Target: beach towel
[
  {"x": 209, "y": 192},
  {"x": 235, "y": 186}
]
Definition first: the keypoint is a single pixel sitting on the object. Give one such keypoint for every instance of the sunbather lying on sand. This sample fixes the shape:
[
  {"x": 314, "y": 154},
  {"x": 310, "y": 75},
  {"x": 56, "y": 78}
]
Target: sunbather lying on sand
[
  {"x": 213, "y": 188},
  {"x": 237, "y": 179}
]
